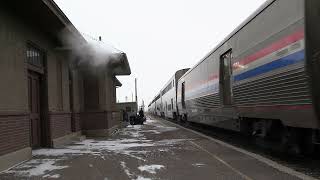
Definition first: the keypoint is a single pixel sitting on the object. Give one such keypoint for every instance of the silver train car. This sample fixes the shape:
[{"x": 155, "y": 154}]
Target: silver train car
[
  {"x": 263, "y": 79},
  {"x": 169, "y": 96},
  {"x": 165, "y": 103},
  {"x": 158, "y": 105}
]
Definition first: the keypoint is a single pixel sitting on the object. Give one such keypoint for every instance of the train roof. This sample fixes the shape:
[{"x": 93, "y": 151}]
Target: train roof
[
  {"x": 154, "y": 99},
  {"x": 172, "y": 77},
  {"x": 235, "y": 31}
]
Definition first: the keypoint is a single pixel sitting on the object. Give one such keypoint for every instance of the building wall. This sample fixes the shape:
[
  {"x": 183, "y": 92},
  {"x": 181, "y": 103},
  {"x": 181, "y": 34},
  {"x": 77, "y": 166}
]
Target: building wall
[
  {"x": 58, "y": 91},
  {"x": 15, "y": 34},
  {"x": 60, "y": 124},
  {"x": 78, "y": 99},
  {"x": 14, "y": 132},
  {"x": 77, "y": 91},
  {"x": 58, "y": 82},
  {"x": 100, "y": 111}
]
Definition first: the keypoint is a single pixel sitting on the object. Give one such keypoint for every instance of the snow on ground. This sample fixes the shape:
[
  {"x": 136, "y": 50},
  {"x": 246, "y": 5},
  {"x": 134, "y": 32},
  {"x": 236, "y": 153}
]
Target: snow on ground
[
  {"x": 150, "y": 168},
  {"x": 131, "y": 142},
  {"x": 55, "y": 176},
  {"x": 60, "y": 152},
  {"x": 198, "y": 164},
  {"x": 36, "y": 167},
  {"x": 143, "y": 178},
  {"x": 126, "y": 169}
]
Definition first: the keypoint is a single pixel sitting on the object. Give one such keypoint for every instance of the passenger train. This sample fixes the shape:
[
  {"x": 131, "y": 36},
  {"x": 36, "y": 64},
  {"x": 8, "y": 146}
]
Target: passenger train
[
  {"x": 165, "y": 103},
  {"x": 263, "y": 79}
]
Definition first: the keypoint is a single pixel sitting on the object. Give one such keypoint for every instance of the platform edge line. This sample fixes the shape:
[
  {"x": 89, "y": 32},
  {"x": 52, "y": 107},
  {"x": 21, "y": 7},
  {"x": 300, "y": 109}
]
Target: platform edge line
[
  {"x": 222, "y": 161},
  {"x": 260, "y": 158}
]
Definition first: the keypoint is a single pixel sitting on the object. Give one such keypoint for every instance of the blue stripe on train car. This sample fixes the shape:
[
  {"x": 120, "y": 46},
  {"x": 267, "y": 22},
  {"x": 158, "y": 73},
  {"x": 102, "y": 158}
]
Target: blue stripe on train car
[{"x": 280, "y": 63}]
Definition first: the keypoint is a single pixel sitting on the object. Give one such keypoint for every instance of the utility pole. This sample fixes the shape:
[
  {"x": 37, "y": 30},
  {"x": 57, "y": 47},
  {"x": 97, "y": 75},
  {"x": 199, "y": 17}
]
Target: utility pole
[
  {"x": 132, "y": 97},
  {"x": 135, "y": 82},
  {"x": 142, "y": 104}
]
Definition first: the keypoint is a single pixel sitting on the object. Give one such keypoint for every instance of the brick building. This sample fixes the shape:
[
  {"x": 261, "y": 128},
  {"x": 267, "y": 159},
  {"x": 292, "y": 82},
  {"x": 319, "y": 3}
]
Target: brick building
[
  {"x": 95, "y": 102},
  {"x": 44, "y": 98}
]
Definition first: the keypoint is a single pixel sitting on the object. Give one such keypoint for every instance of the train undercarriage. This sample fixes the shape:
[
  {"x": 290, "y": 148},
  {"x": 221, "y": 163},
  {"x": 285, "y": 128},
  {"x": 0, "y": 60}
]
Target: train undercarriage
[{"x": 272, "y": 134}]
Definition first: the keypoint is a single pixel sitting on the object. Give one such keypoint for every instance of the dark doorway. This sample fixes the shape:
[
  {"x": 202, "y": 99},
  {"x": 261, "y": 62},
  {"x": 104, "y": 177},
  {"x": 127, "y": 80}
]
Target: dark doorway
[
  {"x": 225, "y": 78},
  {"x": 38, "y": 97},
  {"x": 34, "y": 80},
  {"x": 73, "y": 123},
  {"x": 183, "y": 95},
  {"x": 91, "y": 92}
]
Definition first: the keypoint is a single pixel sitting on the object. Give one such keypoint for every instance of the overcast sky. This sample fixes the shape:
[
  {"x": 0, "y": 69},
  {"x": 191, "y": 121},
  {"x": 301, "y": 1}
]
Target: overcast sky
[{"x": 159, "y": 37}]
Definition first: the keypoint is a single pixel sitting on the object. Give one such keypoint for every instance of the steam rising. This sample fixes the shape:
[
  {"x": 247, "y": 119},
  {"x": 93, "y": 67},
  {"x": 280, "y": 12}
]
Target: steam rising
[{"x": 87, "y": 52}]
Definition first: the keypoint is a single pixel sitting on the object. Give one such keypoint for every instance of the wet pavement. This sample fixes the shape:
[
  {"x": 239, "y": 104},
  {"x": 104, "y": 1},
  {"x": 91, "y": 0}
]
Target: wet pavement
[{"x": 156, "y": 150}]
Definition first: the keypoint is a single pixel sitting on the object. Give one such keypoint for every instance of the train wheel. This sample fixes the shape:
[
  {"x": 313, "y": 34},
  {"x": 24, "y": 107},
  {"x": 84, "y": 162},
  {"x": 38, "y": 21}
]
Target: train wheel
[
  {"x": 290, "y": 141},
  {"x": 185, "y": 118},
  {"x": 175, "y": 117}
]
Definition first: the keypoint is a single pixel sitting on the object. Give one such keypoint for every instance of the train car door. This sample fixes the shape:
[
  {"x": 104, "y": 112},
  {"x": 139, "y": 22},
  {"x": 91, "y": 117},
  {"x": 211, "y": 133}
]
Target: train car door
[
  {"x": 172, "y": 105},
  {"x": 312, "y": 40},
  {"x": 183, "y": 95},
  {"x": 166, "y": 109},
  {"x": 225, "y": 78}
]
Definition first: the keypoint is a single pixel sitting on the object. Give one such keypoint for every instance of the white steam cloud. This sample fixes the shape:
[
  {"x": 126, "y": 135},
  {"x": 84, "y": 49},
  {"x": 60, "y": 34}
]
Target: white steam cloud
[{"x": 88, "y": 51}]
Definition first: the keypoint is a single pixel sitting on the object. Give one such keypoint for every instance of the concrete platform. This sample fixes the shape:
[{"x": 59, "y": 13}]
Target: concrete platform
[{"x": 157, "y": 150}]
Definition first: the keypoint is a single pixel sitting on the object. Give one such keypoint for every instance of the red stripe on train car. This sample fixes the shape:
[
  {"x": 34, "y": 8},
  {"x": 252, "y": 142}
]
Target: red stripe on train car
[{"x": 298, "y": 35}]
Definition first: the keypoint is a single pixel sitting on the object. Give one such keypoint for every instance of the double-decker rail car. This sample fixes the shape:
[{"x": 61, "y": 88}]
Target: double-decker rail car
[
  {"x": 158, "y": 105},
  {"x": 169, "y": 95},
  {"x": 263, "y": 79},
  {"x": 152, "y": 107},
  {"x": 165, "y": 103}
]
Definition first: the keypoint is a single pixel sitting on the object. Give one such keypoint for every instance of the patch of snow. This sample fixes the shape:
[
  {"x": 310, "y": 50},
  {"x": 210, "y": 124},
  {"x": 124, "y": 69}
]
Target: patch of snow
[
  {"x": 150, "y": 168},
  {"x": 172, "y": 141},
  {"x": 166, "y": 128},
  {"x": 134, "y": 134},
  {"x": 59, "y": 152},
  {"x": 163, "y": 150},
  {"x": 55, "y": 176},
  {"x": 131, "y": 141},
  {"x": 143, "y": 178},
  {"x": 151, "y": 131},
  {"x": 137, "y": 127},
  {"x": 198, "y": 164},
  {"x": 151, "y": 121},
  {"x": 125, "y": 169},
  {"x": 37, "y": 167}
]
